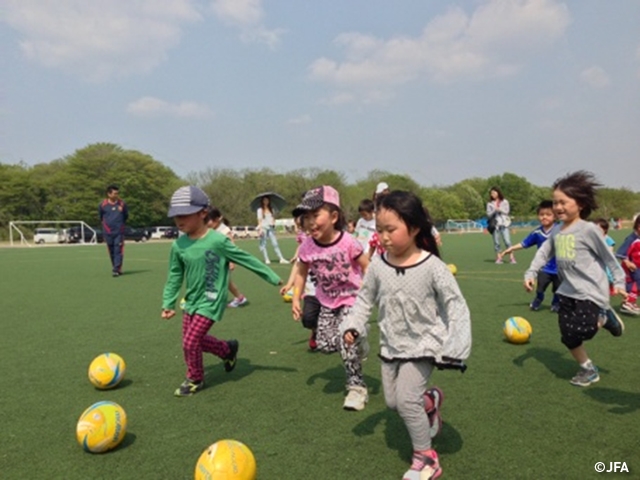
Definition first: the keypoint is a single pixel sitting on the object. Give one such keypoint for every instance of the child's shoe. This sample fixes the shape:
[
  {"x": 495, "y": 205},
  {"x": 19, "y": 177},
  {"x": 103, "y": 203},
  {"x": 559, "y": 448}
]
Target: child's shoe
[
  {"x": 232, "y": 357},
  {"x": 188, "y": 388},
  {"x": 356, "y": 399},
  {"x": 555, "y": 307},
  {"x": 613, "y": 322},
  {"x": 630, "y": 308},
  {"x": 499, "y": 261},
  {"x": 535, "y": 305},
  {"x": 424, "y": 467},
  {"x": 433, "y": 398},
  {"x": 238, "y": 302},
  {"x": 513, "y": 261},
  {"x": 585, "y": 377},
  {"x": 312, "y": 341}
]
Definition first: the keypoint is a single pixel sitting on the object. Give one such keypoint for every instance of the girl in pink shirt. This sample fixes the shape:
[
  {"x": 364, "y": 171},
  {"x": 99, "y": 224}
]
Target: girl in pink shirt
[{"x": 337, "y": 262}]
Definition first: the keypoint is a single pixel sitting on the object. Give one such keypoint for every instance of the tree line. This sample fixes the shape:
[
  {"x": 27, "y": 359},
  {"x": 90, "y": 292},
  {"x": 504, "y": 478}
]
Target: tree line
[{"x": 70, "y": 188}]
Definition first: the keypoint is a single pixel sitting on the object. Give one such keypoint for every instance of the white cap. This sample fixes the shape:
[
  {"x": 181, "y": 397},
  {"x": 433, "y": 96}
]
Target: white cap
[{"x": 382, "y": 186}]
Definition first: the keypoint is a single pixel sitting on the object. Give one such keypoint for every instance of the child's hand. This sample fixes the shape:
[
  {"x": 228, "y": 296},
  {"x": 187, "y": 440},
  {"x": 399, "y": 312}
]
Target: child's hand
[
  {"x": 349, "y": 337},
  {"x": 285, "y": 289},
  {"x": 529, "y": 284},
  {"x": 167, "y": 314},
  {"x": 296, "y": 310},
  {"x": 630, "y": 265},
  {"x": 232, "y": 266}
]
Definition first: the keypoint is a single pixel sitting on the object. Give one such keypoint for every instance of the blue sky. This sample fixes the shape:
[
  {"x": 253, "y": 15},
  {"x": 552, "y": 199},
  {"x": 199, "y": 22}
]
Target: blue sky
[{"x": 438, "y": 90}]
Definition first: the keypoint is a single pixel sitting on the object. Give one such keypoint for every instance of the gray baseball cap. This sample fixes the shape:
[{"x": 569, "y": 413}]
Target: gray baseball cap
[{"x": 188, "y": 200}]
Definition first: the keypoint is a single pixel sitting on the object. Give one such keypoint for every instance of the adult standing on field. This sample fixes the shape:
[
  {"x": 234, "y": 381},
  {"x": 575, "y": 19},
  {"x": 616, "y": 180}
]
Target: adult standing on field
[
  {"x": 498, "y": 210},
  {"x": 113, "y": 216},
  {"x": 266, "y": 205}
]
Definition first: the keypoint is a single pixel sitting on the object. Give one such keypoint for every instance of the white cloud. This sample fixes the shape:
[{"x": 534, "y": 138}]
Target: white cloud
[
  {"x": 339, "y": 98},
  {"x": 248, "y": 16},
  {"x": 301, "y": 120},
  {"x": 595, "y": 77},
  {"x": 494, "y": 41},
  {"x": 99, "y": 40},
  {"x": 156, "y": 107}
]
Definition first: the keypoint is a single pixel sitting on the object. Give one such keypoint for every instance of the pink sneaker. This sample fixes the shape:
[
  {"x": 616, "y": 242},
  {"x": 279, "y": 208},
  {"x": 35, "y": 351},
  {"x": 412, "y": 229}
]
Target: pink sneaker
[
  {"x": 433, "y": 398},
  {"x": 424, "y": 466}
]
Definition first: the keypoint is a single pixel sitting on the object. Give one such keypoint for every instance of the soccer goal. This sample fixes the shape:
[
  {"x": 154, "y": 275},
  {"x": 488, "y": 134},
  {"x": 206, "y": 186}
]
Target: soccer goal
[
  {"x": 50, "y": 232},
  {"x": 463, "y": 226}
]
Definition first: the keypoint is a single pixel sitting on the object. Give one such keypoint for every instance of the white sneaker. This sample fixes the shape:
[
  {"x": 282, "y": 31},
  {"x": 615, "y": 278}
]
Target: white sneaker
[
  {"x": 238, "y": 302},
  {"x": 356, "y": 399},
  {"x": 267, "y": 261},
  {"x": 284, "y": 260}
]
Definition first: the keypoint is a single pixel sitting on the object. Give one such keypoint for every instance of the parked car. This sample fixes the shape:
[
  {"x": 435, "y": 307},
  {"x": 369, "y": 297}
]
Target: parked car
[
  {"x": 75, "y": 235},
  {"x": 48, "y": 235},
  {"x": 244, "y": 232},
  {"x": 171, "y": 232},
  {"x": 158, "y": 232},
  {"x": 136, "y": 234}
]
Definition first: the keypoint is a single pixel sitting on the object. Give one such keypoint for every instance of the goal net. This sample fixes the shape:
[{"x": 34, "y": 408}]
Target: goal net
[
  {"x": 29, "y": 232},
  {"x": 463, "y": 226}
]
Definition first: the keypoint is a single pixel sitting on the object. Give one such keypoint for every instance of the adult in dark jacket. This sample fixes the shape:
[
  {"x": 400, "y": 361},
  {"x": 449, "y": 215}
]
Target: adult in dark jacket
[{"x": 113, "y": 217}]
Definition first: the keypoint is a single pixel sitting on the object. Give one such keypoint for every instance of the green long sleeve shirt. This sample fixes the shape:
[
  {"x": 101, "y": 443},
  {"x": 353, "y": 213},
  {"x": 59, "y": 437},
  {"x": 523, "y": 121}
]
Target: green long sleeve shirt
[{"x": 204, "y": 265}]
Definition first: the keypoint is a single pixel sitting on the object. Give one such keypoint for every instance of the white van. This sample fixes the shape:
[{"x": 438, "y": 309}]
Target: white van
[
  {"x": 48, "y": 235},
  {"x": 158, "y": 232}
]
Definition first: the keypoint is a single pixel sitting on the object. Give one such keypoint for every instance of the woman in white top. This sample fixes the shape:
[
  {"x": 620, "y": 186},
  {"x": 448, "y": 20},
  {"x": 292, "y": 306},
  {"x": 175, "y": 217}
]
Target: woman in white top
[
  {"x": 498, "y": 213},
  {"x": 266, "y": 228}
]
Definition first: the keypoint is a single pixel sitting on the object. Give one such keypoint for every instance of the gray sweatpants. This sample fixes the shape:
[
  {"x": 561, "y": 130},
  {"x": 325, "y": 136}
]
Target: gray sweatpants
[{"x": 404, "y": 384}]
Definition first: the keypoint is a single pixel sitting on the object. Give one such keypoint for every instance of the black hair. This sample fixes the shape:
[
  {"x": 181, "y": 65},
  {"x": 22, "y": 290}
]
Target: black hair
[
  {"x": 580, "y": 186},
  {"x": 366, "y": 205},
  {"x": 545, "y": 205},
  {"x": 498, "y": 191},
  {"x": 112, "y": 187},
  {"x": 603, "y": 223},
  {"x": 409, "y": 208},
  {"x": 636, "y": 222},
  {"x": 213, "y": 214}
]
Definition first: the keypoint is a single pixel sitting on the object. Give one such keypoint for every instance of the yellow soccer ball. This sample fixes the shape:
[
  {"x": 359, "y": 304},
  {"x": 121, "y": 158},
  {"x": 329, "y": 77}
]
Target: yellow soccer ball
[
  {"x": 183, "y": 303},
  {"x": 101, "y": 427},
  {"x": 226, "y": 460},
  {"x": 452, "y": 268},
  {"x": 106, "y": 371},
  {"x": 288, "y": 296},
  {"x": 517, "y": 330}
]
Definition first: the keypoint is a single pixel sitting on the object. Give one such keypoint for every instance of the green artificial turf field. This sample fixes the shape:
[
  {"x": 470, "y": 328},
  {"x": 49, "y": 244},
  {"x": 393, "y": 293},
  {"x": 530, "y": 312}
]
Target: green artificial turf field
[{"x": 513, "y": 414}]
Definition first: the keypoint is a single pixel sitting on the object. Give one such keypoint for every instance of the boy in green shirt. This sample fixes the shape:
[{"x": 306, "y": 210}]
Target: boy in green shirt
[{"x": 201, "y": 258}]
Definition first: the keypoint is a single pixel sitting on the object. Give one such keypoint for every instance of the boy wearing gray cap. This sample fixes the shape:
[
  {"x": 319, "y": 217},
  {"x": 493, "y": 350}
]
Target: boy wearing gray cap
[{"x": 200, "y": 258}]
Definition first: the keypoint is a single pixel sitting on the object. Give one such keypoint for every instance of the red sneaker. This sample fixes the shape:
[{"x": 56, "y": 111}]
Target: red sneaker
[
  {"x": 312, "y": 341},
  {"x": 433, "y": 398}
]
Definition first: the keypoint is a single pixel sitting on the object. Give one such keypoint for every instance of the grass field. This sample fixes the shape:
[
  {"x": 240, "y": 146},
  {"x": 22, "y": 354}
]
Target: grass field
[{"x": 512, "y": 415}]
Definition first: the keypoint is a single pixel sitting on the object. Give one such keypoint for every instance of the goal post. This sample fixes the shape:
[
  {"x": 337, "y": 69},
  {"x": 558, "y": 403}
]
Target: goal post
[
  {"x": 23, "y": 230},
  {"x": 463, "y": 226}
]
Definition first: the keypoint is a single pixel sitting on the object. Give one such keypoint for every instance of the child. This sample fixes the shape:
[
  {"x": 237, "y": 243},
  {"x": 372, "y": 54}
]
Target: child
[
  {"x": 629, "y": 255},
  {"x": 603, "y": 225},
  {"x": 366, "y": 225},
  {"x": 549, "y": 273},
  {"x": 336, "y": 260},
  {"x": 351, "y": 228},
  {"x": 423, "y": 317},
  {"x": 216, "y": 222},
  {"x": 201, "y": 258},
  {"x": 581, "y": 256},
  {"x": 311, "y": 308}
]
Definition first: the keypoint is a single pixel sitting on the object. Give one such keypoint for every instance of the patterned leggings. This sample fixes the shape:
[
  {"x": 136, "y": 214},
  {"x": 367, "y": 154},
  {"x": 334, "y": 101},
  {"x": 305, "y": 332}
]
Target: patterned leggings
[
  {"x": 195, "y": 341},
  {"x": 329, "y": 340}
]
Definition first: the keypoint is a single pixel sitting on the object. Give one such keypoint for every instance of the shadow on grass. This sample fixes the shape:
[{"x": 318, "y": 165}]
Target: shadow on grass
[
  {"x": 556, "y": 362},
  {"x": 553, "y": 360},
  {"x": 625, "y": 402},
  {"x": 215, "y": 374},
  {"x": 335, "y": 380},
  {"x": 126, "y": 273},
  {"x": 397, "y": 438},
  {"x": 128, "y": 440}
]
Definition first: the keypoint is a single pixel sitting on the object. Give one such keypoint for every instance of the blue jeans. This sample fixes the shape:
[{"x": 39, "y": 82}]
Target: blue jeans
[
  {"x": 269, "y": 232},
  {"x": 506, "y": 237}
]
